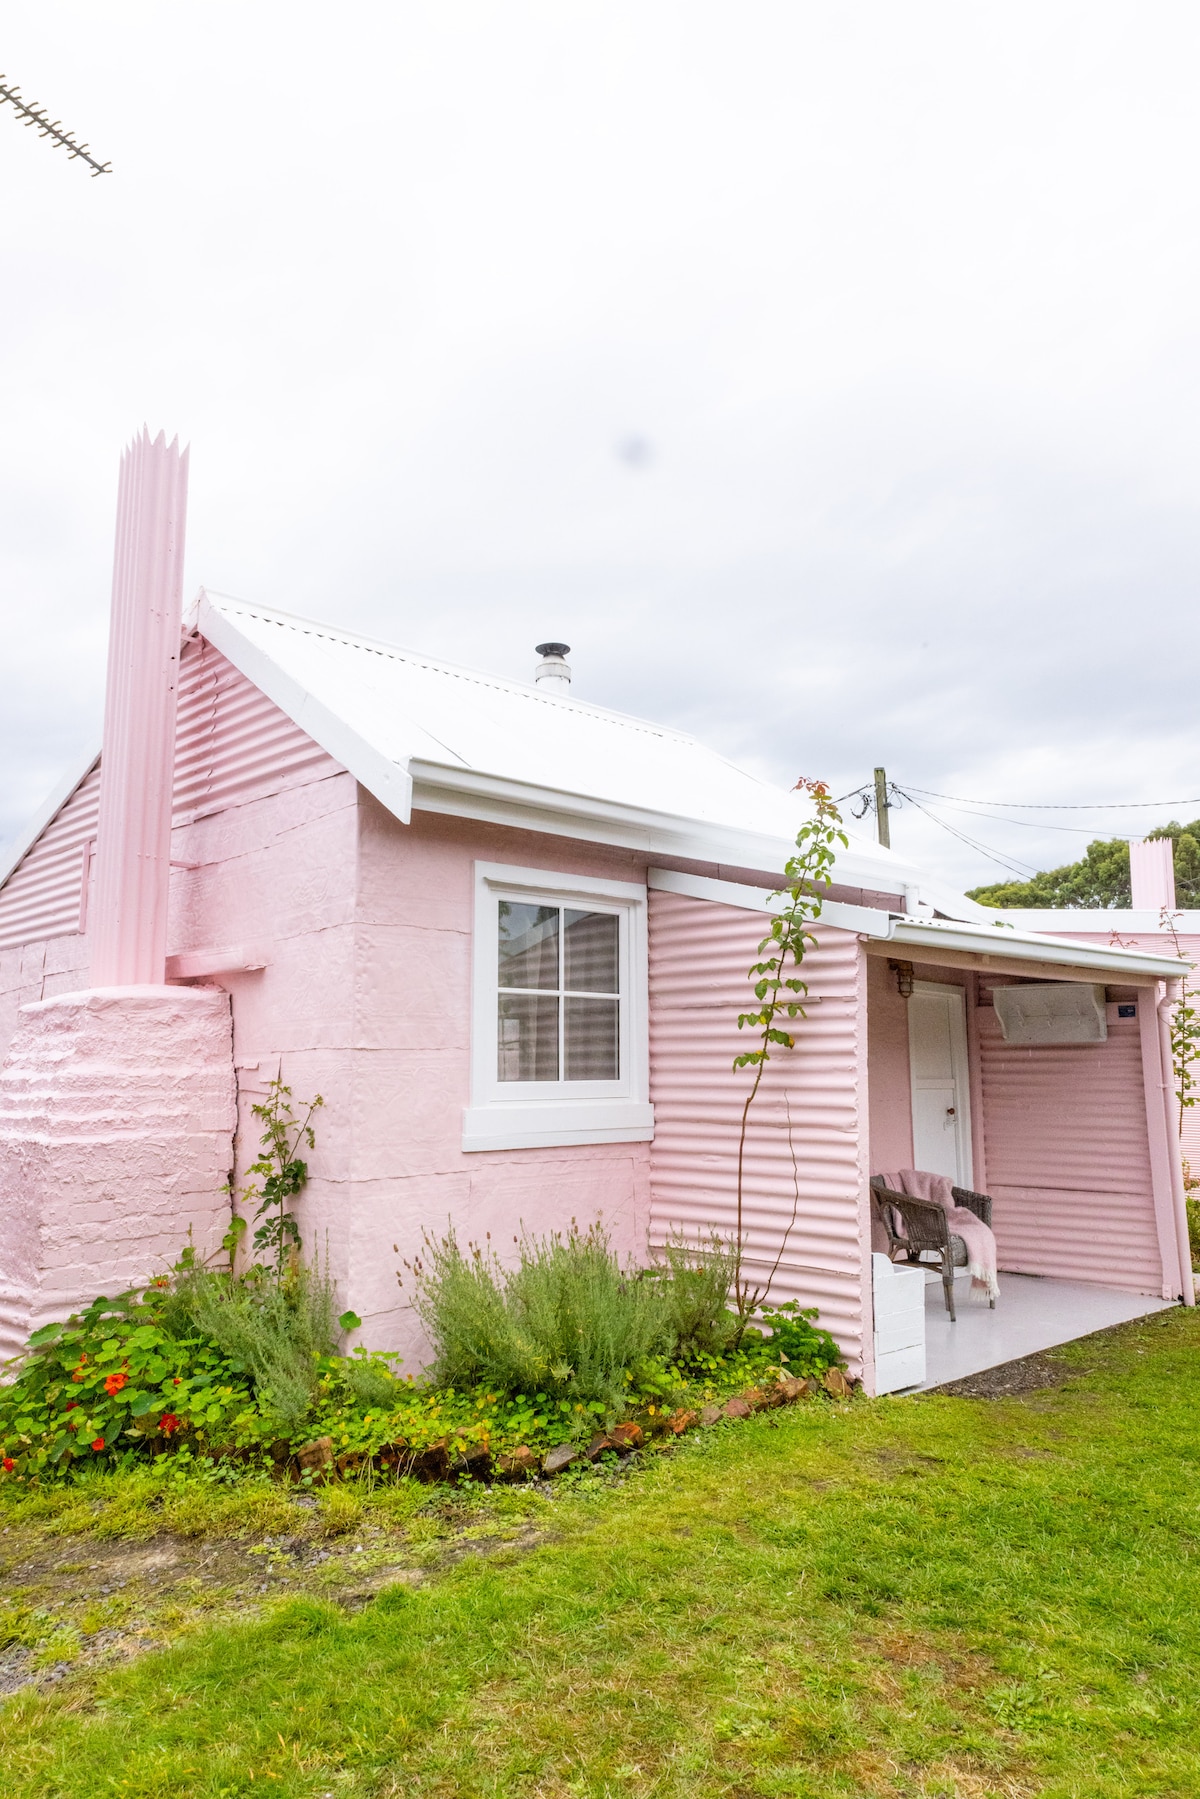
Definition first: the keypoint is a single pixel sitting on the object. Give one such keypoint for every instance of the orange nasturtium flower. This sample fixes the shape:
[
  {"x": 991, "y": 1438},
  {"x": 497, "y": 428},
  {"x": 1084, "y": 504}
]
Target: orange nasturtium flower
[
  {"x": 98, "y": 1444},
  {"x": 115, "y": 1382}
]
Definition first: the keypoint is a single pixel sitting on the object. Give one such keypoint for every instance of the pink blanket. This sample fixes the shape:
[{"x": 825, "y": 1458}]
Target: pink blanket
[{"x": 977, "y": 1236}]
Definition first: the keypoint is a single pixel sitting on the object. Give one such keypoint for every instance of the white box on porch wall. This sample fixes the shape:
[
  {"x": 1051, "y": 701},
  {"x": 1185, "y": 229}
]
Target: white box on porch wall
[{"x": 899, "y": 1300}]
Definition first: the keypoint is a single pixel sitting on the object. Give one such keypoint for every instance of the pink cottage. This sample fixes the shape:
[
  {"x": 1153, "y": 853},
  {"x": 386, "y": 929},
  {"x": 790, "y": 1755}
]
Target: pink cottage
[{"x": 505, "y": 933}]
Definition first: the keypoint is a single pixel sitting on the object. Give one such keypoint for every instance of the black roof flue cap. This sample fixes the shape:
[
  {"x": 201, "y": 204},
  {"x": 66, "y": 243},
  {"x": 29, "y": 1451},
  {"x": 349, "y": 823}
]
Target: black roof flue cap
[{"x": 552, "y": 649}]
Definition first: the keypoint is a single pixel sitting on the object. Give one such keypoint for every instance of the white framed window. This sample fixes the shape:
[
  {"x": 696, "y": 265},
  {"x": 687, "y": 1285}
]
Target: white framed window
[{"x": 559, "y": 1049}]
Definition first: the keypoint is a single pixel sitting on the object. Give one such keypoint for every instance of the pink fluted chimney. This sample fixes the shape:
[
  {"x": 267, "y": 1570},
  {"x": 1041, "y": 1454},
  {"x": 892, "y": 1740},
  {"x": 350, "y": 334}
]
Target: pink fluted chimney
[
  {"x": 128, "y": 912},
  {"x": 1152, "y": 875}
]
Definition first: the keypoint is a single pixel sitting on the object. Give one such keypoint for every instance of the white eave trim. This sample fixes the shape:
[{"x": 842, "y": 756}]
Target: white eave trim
[
  {"x": 983, "y": 941},
  {"x": 863, "y": 920},
  {"x": 389, "y": 781},
  {"x": 470, "y": 793},
  {"x": 45, "y": 816}
]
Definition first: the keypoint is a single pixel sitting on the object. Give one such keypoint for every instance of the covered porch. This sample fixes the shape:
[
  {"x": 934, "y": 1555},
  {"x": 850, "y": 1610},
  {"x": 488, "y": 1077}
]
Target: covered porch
[
  {"x": 1035, "y": 1314},
  {"x": 1058, "y": 1103}
]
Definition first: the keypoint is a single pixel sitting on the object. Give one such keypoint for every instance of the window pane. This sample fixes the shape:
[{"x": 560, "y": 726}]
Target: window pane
[
  {"x": 591, "y": 1039},
  {"x": 528, "y": 946},
  {"x": 591, "y": 947},
  {"x": 528, "y": 1038}
]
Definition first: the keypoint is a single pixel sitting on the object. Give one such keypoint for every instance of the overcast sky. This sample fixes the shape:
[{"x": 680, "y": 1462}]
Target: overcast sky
[{"x": 826, "y": 376}]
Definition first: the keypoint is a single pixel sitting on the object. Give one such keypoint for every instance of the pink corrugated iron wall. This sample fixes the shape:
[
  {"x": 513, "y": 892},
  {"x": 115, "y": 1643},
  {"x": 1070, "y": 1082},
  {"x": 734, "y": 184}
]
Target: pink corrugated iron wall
[
  {"x": 41, "y": 897},
  {"x": 699, "y": 954},
  {"x": 232, "y": 744},
  {"x": 1068, "y": 1158},
  {"x": 1165, "y": 943}
]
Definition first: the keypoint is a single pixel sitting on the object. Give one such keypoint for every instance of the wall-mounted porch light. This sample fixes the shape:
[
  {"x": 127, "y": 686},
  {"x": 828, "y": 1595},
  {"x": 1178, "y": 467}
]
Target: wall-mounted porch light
[{"x": 904, "y": 978}]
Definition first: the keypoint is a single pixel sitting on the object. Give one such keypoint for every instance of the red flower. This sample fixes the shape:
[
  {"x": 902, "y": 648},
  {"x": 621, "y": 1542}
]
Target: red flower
[
  {"x": 114, "y": 1383},
  {"x": 71, "y": 1404},
  {"x": 98, "y": 1444},
  {"x": 168, "y": 1422},
  {"x": 9, "y": 1464},
  {"x": 178, "y": 1381}
]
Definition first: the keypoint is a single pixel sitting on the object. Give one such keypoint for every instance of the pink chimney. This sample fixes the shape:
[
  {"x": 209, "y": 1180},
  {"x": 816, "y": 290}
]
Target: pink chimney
[
  {"x": 128, "y": 911},
  {"x": 1152, "y": 875}
]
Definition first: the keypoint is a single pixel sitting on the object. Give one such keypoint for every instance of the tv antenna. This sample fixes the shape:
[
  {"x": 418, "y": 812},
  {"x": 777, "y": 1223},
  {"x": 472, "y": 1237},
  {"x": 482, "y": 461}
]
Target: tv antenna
[{"x": 31, "y": 112}]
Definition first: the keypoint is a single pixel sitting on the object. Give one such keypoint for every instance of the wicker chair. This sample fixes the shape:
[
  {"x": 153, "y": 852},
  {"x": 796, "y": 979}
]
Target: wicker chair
[{"x": 926, "y": 1229}]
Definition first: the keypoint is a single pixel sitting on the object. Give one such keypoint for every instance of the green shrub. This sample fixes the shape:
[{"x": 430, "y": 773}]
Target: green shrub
[
  {"x": 796, "y": 1342},
  {"x": 276, "y": 1329},
  {"x": 370, "y": 1380},
  {"x": 568, "y": 1321},
  {"x": 695, "y": 1282},
  {"x": 1193, "y": 1218}
]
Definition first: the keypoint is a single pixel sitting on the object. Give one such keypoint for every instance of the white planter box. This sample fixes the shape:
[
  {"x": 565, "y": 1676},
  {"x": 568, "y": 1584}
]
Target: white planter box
[{"x": 899, "y": 1294}]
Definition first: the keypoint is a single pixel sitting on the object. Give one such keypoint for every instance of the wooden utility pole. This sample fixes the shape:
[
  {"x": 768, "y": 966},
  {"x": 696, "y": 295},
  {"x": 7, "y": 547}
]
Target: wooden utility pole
[{"x": 881, "y": 808}]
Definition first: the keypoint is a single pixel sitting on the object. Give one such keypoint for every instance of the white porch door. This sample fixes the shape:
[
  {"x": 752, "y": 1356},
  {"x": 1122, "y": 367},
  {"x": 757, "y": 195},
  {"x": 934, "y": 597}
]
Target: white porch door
[{"x": 941, "y": 1094}]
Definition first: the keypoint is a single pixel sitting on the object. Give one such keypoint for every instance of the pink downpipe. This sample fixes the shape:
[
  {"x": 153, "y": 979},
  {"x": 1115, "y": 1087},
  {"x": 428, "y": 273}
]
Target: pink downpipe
[
  {"x": 128, "y": 914},
  {"x": 1178, "y": 1195}
]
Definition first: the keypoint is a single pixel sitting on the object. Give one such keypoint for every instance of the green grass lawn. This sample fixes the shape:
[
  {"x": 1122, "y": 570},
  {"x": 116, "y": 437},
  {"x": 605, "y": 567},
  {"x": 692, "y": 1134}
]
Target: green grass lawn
[{"x": 931, "y": 1596}]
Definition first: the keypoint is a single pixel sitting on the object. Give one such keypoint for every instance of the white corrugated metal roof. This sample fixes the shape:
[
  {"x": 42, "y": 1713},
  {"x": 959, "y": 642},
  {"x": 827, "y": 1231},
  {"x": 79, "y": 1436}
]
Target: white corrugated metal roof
[{"x": 418, "y": 731}]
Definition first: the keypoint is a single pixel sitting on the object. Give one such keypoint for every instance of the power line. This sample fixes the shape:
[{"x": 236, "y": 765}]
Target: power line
[
  {"x": 1021, "y": 869},
  {"x": 866, "y": 793},
  {"x": 31, "y": 112},
  {"x": 1030, "y": 824},
  {"x": 1045, "y": 806}
]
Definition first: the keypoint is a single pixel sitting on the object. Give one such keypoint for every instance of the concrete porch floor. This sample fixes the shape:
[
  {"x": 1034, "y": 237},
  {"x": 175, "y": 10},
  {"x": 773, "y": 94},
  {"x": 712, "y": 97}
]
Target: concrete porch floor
[{"x": 1031, "y": 1314}]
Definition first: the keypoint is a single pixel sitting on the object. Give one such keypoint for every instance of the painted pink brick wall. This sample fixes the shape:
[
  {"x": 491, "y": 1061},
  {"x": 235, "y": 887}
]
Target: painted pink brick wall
[
  {"x": 699, "y": 955},
  {"x": 364, "y": 996},
  {"x": 1068, "y": 1157},
  {"x": 116, "y": 1120},
  {"x": 410, "y": 1071}
]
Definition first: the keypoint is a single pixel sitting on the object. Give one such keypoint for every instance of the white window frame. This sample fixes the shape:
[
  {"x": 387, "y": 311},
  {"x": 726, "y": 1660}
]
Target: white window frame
[{"x": 546, "y": 1114}]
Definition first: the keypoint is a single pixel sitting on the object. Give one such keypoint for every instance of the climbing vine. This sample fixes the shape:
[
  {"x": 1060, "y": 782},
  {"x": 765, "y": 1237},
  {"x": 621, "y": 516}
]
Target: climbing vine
[
  {"x": 780, "y": 992},
  {"x": 1185, "y": 1030},
  {"x": 281, "y": 1172}
]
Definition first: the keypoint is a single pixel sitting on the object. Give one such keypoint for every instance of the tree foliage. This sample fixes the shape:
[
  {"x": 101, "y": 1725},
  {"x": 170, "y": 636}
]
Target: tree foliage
[{"x": 1100, "y": 879}]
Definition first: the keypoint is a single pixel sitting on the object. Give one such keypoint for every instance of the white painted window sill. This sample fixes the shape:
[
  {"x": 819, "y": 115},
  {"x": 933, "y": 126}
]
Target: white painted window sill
[{"x": 550, "y": 1124}]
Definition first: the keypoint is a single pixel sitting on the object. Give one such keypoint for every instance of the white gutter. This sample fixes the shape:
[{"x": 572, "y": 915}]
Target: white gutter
[
  {"x": 1088, "y": 921},
  {"x": 1024, "y": 946},
  {"x": 473, "y": 793}
]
